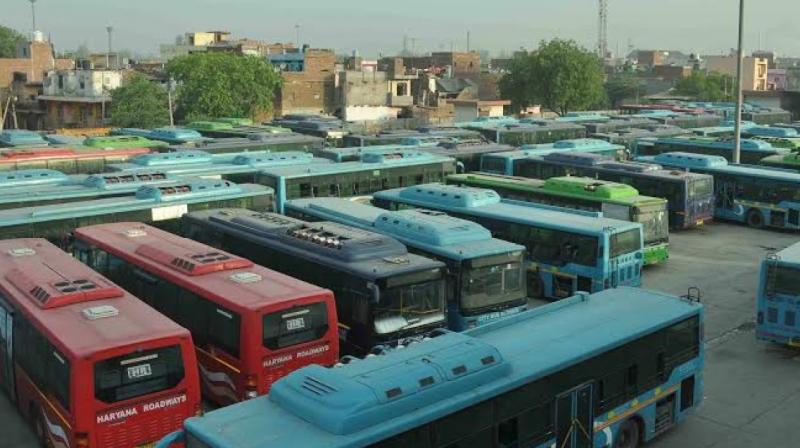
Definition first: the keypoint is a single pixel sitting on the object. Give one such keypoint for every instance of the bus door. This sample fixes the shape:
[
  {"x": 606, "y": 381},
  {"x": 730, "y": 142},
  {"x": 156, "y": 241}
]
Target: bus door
[
  {"x": 575, "y": 418},
  {"x": 6, "y": 352},
  {"x": 726, "y": 193}
]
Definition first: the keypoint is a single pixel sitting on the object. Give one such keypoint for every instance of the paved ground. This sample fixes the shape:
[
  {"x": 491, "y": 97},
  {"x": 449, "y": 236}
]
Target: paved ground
[{"x": 752, "y": 390}]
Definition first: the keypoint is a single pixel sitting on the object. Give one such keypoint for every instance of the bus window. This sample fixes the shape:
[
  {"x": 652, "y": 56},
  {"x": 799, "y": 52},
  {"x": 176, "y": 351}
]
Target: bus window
[
  {"x": 786, "y": 282},
  {"x": 625, "y": 242},
  {"x": 295, "y": 326},
  {"x": 409, "y": 306},
  {"x": 137, "y": 374},
  {"x": 224, "y": 329}
]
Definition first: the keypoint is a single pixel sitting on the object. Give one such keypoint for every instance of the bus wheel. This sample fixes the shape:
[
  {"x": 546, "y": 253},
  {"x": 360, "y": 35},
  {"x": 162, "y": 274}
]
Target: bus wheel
[
  {"x": 40, "y": 428},
  {"x": 755, "y": 219},
  {"x": 628, "y": 435}
]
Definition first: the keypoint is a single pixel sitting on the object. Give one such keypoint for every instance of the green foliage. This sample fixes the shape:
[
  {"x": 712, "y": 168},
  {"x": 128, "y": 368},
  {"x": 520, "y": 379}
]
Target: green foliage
[
  {"x": 9, "y": 39},
  {"x": 139, "y": 103},
  {"x": 620, "y": 87},
  {"x": 707, "y": 86},
  {"x": 214, "y": 85},
  {"x": 560, "y": 75}
]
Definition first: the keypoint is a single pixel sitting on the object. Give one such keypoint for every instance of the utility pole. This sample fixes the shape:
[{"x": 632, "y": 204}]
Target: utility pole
[
  {"x": 602, "y": 30},
  {"x": 109, "y": 29},
  {"x": 33, "y": 13},
  {"x": 297, "y": 34},
  {"x": 170, "y": 87},
  {"x": 468, "y": 36},
  {"x": 737, "y": 131}
]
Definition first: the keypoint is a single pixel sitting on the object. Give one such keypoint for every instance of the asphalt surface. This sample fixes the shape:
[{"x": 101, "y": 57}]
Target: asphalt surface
[{"x": 752, "y": 390}]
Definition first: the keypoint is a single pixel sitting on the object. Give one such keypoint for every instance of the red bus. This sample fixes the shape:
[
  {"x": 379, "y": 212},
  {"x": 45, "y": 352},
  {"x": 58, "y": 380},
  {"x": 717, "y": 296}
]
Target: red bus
[
  {"x": 250, "y": 325},
  {"x": 86, "y": 363}
]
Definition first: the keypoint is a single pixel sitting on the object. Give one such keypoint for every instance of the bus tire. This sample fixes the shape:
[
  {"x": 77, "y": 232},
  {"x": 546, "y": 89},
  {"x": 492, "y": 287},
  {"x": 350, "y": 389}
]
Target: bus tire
[
  {"x": 628, "y": 435},
  {"x": 40, "y": 428},
  {"x": 755, "y": 219}
]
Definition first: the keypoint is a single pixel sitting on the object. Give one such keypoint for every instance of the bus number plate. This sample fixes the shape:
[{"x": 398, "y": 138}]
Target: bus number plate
[
  {"x": 139, "y": 371},
  {"x": 297, "y": 323}
]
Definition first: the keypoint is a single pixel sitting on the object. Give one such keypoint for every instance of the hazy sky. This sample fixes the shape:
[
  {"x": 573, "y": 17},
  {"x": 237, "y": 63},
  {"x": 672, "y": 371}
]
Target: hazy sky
[{"x": 378, "y": 26}]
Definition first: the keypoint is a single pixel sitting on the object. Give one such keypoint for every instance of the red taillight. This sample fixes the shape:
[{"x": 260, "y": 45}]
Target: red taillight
[
  {"x": 82, "y": 440},
  {"x": 250, "y": 387}
]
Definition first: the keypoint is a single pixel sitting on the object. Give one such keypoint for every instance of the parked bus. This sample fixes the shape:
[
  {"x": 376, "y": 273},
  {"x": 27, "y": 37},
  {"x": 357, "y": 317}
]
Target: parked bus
[
  {"x": 160, "y": 204},
  {"x": 618, "y": 201},
  {"x": 485, "y": 276},
  {"x": 21, "y": 138},
  {"x": 123, "y": 141},
  {"x": 690, "y": 195},
  {"x": 374, "y": 173},
  {"x": 256, "y": 141},
  {"x": 87, "y": 364},
  {"x": 250, "y": 325},
  {"x": 567, "y": 250},
  {"x": 78, "y": 160},
  {"x": 752, "y": 151},
  {"x": 785, "y": 161},
  {"x": 519, "y": 133},
  {"x": 383, "y": 293},
  {"x": 757, "y": 196},
  {"x": 37, "y": 187},
  {"x": 173, "y": 136},
  {"x": 779, "y": 298},
  {"x": 239, "y": 167},
  {"x": 616, "y": 369},
  {"x": 398, "y": 137},
  {"x": 506, "y": 162}
]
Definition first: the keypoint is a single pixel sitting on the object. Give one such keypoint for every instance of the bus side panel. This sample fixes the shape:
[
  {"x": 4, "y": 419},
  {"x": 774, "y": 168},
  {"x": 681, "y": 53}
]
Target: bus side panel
[
  {"x": 219, "y": 380},
  {"x": 36, "y": 407}
]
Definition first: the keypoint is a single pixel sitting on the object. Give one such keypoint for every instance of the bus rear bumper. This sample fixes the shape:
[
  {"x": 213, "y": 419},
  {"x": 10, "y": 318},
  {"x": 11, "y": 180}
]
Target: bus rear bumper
[{"x": 655, "y": 254}]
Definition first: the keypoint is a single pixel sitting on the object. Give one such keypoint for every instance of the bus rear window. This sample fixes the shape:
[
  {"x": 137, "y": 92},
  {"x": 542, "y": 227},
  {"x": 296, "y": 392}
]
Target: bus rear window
[
  {"x": 786, "y": 281},
  {"x": 701, "y": 188},
  {"x": 625, "y": 242},
  {"x": 138, "y": 374},
  {"x": 296, "y": 325}
]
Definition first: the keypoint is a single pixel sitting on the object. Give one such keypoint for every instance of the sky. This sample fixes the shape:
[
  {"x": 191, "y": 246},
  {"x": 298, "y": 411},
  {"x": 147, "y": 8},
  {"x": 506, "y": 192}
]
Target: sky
[{"x": 377, "y": 27}]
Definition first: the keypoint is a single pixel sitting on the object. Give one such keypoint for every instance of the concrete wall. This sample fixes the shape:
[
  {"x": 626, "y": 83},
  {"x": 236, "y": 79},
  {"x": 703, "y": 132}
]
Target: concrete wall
[
  {"x": 369, "y": 113},
  {"x": 358, "y": 88}
]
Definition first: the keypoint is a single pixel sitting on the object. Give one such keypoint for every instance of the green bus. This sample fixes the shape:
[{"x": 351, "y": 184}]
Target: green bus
[
  {"x": 790, "y": 143},
  {"x": 786, "y": 161},
  {"x": 615, "y": 200},
  {"x": 123, "y": 141}
]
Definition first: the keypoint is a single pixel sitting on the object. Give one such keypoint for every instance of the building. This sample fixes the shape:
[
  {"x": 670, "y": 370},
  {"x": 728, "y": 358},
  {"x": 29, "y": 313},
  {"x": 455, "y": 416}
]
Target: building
[
  {"x": 469, "y": 110},
  {"x": 251, "y": 47},
  {"x": 367, "y": 94},
  {"x": 754, "y": 70},
  {"x": 770, "y": 56},
  {"x": 193, "y": 42},
  {"x": 78, "y": 98},
  {"x": 776, "y": 79},
  {"x": 672, "y": 72},
  {"x": 309, "y": 82},
  {"x": 650, "y": 58},
  {"x": 459, "y": 64},
  {"x": 34, "y": 59}
]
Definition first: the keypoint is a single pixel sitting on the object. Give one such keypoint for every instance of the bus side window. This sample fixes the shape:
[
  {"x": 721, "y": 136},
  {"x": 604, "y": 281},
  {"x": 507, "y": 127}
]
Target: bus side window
[
  {"x": 191, "y": 312},
  {"x": 469, "y": 428},
  {"x": 224, "y": 327}
]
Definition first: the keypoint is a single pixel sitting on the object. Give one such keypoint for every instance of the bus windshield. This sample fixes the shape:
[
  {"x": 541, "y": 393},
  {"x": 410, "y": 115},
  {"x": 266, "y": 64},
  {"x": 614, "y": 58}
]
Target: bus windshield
[
  {"x": 786, "y": 281},
  {"x": 490, "y": 286},
  {"x": 137, "y": 374},
  {"x": 410, "y": 306},
  {"x": 655, "y": 222},
  {"x": 701, "y": 188},
  {"x": 295, "y": 326},
  {"x": 625, "y": 242}
]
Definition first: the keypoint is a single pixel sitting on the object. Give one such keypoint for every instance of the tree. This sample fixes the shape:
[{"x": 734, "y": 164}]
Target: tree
[
  {"x": 139, "y": 103},
  {"x": 9, "y": 39},
  {"x": 560, "y": 74},
  {"x": 707, "y": 86},
  {"x": 216, "y": 84},
  {"x": 620, "y": 87}
]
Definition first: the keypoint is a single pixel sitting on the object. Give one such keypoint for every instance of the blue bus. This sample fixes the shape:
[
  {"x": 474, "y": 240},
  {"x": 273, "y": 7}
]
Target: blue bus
[
  {"x": 173, "y": 136},
  {"x": 616, "y": 369},
  {"x": 505, "y": 163},
  {"x": 257, "y": 141},
  {"x": 752, "y": 151},
  {"x": 778, "y": 304},
  {"x": 756, "y": 195},
  {"x": 21, "y": 138},
  {"x": 375, "y": 172},
  {"x": 383, "y": 293},
  {"x": 238, "y": 167},
  {"x": 567, "y": 250},
  {"x": 690, "y": 195},
  {"x": 485, "y": 275},
  {"x": 37, "y": 187},
  {"x": 158, "y": 204}
]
